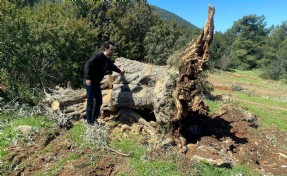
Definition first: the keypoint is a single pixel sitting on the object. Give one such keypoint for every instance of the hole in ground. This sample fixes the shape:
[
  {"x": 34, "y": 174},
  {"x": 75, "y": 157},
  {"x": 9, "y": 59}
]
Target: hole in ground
[{"x": 194, "y": 127}]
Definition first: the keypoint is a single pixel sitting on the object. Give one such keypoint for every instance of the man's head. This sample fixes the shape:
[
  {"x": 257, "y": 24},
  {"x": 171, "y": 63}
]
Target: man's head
[{"x": 109, "y": 48}]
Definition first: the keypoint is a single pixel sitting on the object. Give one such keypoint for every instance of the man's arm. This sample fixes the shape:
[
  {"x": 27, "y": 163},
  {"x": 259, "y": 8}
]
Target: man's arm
[
  {"x": 87, "y": 72},
  {"x": 114, "y": 68}
]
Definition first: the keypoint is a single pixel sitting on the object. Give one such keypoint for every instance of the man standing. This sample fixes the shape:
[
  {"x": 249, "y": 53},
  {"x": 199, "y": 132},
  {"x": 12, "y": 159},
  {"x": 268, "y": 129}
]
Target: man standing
[{"x": 95, "y": 69}]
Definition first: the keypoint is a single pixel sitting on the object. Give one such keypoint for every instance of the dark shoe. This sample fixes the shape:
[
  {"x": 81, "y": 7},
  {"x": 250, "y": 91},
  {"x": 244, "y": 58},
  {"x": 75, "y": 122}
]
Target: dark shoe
[{"x": 91, "y": 124}]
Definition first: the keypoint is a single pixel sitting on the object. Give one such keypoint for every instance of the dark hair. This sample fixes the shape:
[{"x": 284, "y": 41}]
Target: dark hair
[{"x": 107, "y": 44}]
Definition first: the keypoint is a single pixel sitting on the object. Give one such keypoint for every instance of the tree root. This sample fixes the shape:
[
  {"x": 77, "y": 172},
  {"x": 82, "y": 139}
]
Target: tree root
[{"x": 118, "y": 152}]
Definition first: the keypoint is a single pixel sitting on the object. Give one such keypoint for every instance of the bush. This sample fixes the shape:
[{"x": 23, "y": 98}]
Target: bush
[
  {"x": 42, "y": 46},
  {"x": 236, "y": 87},
  {"x": 277, "y": 69}
]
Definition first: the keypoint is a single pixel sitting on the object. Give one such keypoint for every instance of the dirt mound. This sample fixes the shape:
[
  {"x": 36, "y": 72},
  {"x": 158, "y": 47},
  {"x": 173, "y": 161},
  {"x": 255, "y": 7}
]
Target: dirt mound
[{"x": 229, "y": 138}]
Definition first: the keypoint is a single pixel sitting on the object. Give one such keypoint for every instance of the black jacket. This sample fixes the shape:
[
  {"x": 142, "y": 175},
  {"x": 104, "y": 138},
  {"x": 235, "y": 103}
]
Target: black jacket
[{"x": 97, "y": 66}]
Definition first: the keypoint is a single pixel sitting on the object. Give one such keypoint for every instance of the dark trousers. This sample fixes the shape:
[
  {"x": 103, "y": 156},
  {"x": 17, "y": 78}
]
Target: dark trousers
[{"x": 94, "y": 93}]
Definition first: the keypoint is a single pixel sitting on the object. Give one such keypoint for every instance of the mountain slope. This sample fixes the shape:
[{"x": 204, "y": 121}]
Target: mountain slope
[{"x": 169, "y": 16}]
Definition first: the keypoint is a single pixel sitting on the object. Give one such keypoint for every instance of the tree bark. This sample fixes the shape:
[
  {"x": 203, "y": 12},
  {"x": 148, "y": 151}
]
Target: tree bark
[{"x": 194, "y": 60}]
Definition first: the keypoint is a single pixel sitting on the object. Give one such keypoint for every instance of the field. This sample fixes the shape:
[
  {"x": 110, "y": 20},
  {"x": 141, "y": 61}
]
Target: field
[
  {"x": 260, "y": 149},
  {"x": 265, "y": 98}
]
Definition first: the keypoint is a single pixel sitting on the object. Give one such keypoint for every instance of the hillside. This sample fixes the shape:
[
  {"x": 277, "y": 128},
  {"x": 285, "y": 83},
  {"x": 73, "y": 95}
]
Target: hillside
[{"x": 169, "y": 16}]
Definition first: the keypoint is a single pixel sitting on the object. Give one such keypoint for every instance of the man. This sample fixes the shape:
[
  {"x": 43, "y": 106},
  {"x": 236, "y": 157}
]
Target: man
[{"x": 95, "y": 69}]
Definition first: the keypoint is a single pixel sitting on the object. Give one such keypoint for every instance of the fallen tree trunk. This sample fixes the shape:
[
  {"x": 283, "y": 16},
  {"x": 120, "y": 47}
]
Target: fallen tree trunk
[
  {"x": 169, "y": 95},
  {"x": 144, "y": 87}
]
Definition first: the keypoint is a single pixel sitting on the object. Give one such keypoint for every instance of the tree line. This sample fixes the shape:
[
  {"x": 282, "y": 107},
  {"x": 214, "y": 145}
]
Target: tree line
[
  {"x": 46, "y": 43},
  {"x": 249, "y": 44}
]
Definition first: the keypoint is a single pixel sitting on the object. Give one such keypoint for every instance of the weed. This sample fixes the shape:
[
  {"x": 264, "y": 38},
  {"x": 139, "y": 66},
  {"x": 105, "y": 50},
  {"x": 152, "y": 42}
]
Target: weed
[
  {"x": 60, "y": 163},
  {"x": 236, "y": 87},
  {"x": 77, "y": 134},
  {"x": 96, "y": 136},
  {"x": 271, "y": 138},
  {"x": 249, "y": 93}
]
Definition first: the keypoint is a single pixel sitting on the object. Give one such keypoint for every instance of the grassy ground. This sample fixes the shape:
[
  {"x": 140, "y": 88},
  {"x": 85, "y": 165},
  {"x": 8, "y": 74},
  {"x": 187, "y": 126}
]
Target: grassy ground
[
  {"x": 267, "y": 99},
  {"x": 144, "y": 160},
  {"x": 8, "y": 133}
]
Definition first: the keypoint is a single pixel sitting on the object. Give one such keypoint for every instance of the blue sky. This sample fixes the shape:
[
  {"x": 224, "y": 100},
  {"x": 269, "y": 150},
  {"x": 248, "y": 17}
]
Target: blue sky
[{"x": 226, "y": 11}]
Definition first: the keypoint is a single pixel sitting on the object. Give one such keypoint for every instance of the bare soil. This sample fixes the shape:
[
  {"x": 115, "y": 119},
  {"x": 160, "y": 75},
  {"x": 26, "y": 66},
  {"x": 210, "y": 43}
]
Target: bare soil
[
  {"x": 227, "y": 138},
  {"x": 231, "y": 137}
]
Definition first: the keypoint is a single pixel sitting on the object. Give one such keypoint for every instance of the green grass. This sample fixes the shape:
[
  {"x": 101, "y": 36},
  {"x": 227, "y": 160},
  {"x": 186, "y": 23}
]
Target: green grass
[
  {"x": 36, "y": 122},
  {"x": 8, "y": 124},
  {"x": 60, "y": 163},
  {"x": 208, "y": 170},
  {"x": 212, "y": 105},
  {"x": 76, "y": 133},
  {"x": 248, "y": 76},
  {"x": 261, "y": 100},
  {"x": 251, "y": 78},
  {"x": 268, "y": 116},
  {"x": 254, "y": 73},
  {"x": 265, "y": 112},
  {"x": 139, "y": 164},
  {"x": 263, "y": 107}
]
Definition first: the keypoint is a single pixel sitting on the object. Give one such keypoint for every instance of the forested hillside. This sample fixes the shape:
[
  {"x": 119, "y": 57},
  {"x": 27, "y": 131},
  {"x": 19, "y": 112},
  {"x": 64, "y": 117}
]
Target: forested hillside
[
  {"x": 46, "y": 43},
  {"x": 169, "y": 16}
]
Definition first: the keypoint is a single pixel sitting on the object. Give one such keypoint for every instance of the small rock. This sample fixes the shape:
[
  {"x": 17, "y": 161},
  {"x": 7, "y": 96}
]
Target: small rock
[
  {"x": 182, "y": 141},
  {"x": 216, "y": 162},
  {"x": 249, "y": 117},
  {"x": 191, "y": 147},
  {"x": 124, "y": 127},
  {"x": 168, "y": 141},
  {"x": 226, "y": 98},
  {"x": 183, "y": 149}
]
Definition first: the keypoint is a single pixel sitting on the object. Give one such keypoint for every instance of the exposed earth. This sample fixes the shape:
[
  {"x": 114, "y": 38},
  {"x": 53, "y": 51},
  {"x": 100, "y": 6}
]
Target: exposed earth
[{"x": 227, "y": 138}]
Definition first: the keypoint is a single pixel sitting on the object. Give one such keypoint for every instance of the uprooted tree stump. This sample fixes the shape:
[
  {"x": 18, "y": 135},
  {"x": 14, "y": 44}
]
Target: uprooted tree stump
[{"x": 147, "y": 92}]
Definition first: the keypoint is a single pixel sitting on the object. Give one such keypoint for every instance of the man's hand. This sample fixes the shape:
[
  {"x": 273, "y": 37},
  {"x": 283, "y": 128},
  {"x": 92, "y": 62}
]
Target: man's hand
[
  {"x": 123, "y": 70},
  {"x": 88, "y": 82}
]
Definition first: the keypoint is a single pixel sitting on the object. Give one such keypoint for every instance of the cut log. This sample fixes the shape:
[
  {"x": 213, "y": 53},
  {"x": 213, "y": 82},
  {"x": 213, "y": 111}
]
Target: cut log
[{"x": 68, "y": 101}]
